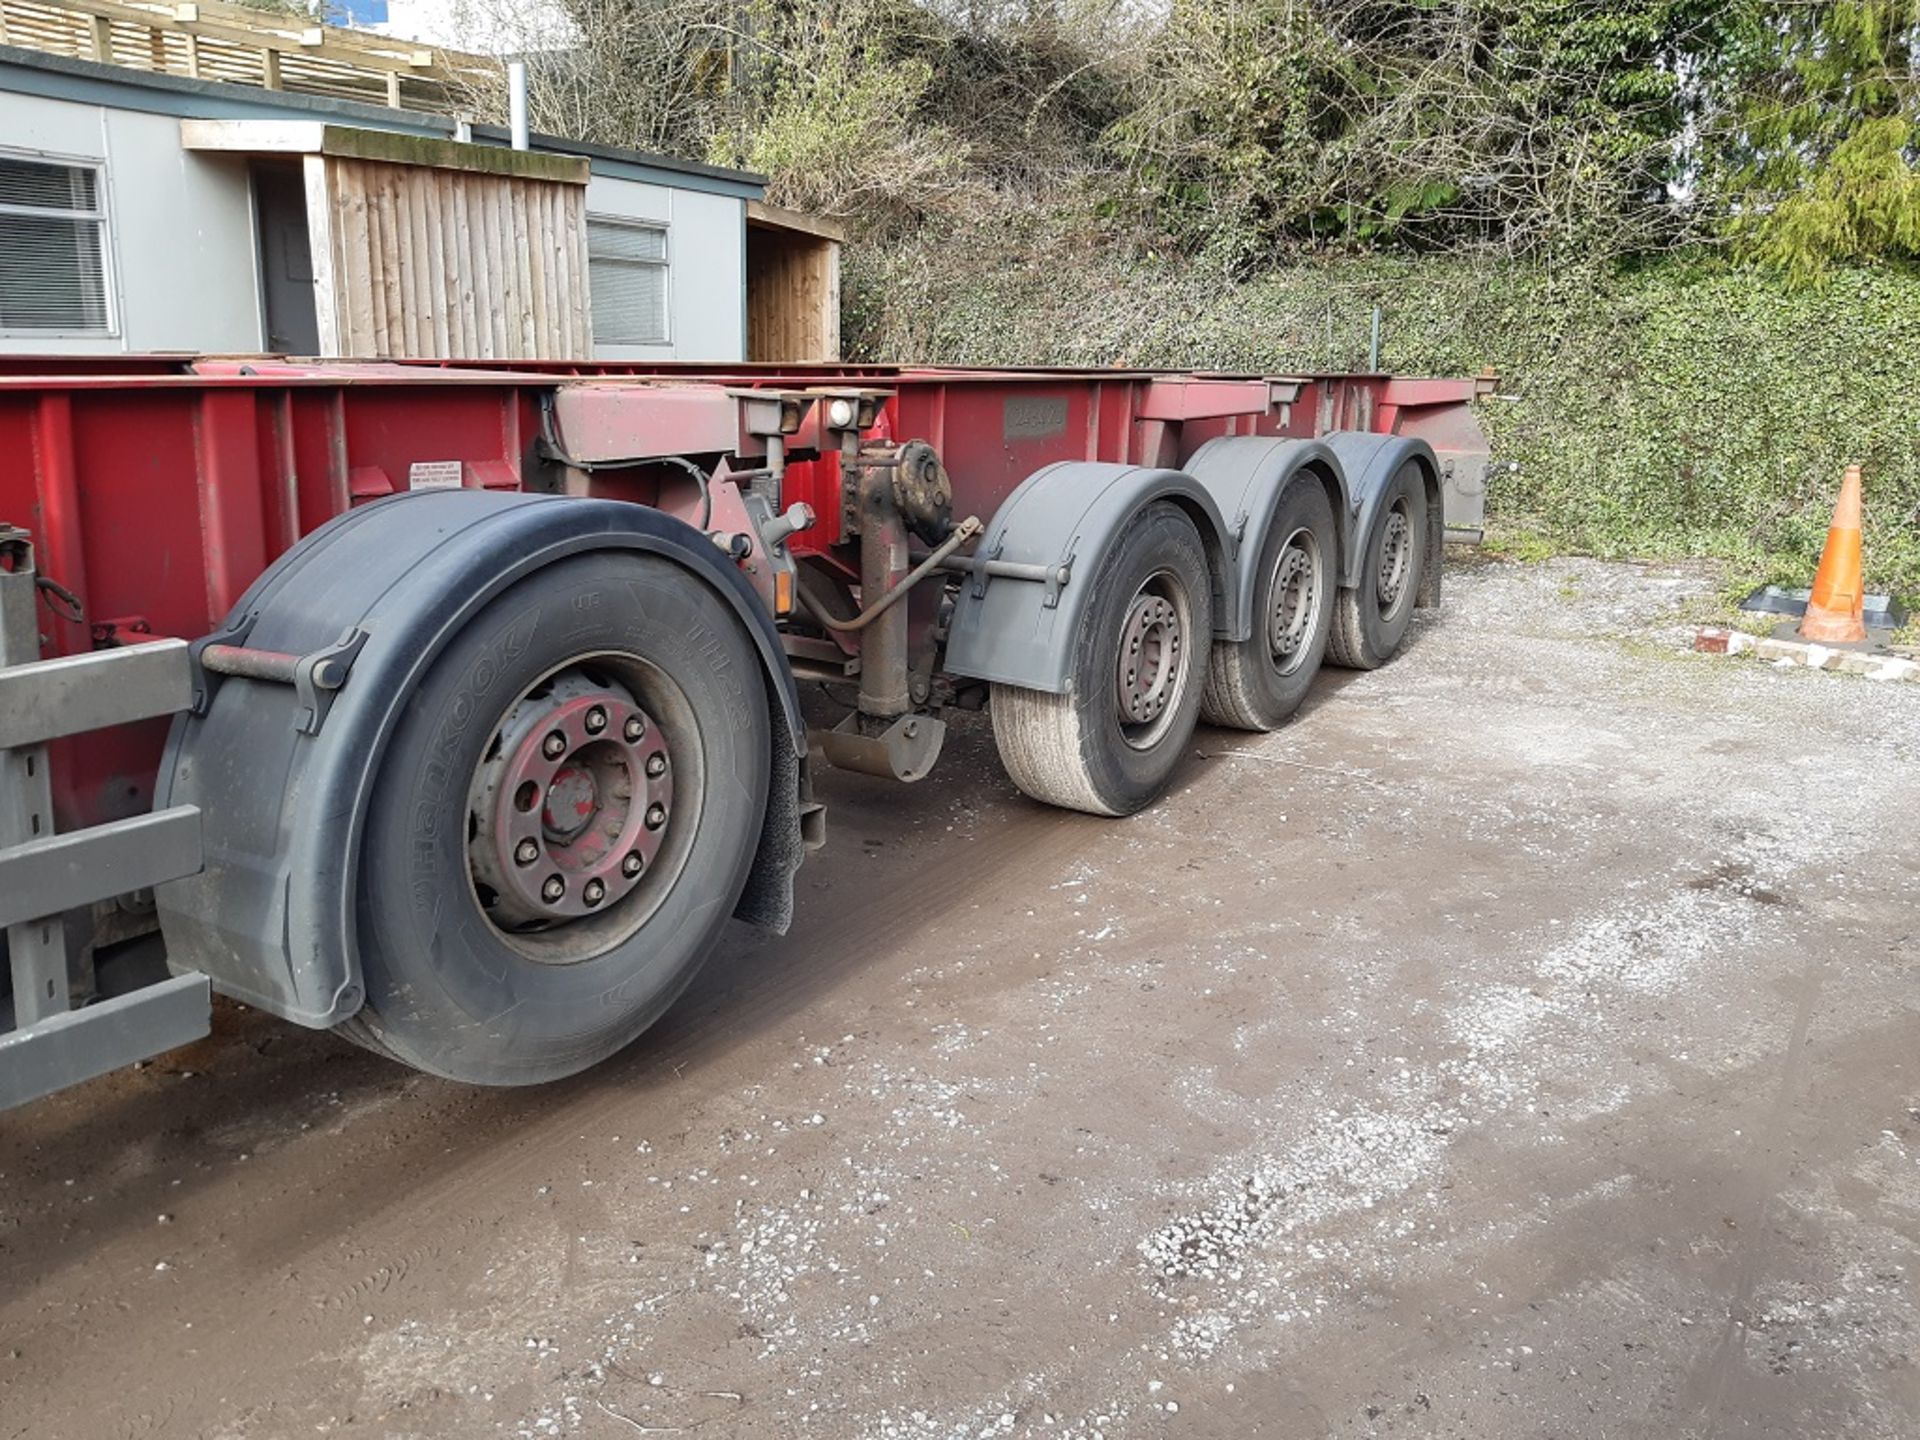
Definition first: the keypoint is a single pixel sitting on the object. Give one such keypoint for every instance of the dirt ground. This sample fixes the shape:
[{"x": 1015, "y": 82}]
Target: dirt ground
[{"x": 1526, "y": 1042}]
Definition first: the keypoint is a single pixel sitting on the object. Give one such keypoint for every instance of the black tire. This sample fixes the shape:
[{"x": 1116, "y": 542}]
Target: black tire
[
  {"x": 1370, "y": 619},
  {"x": 451, "y": 991},
  {"x": 1078, "y": 750},
  {"x": 1257, "y": 683}
]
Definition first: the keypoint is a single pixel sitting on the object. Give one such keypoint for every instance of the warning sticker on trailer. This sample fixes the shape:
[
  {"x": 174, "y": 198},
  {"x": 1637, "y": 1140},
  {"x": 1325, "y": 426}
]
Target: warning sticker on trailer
[{"x": 434, "y": 475}]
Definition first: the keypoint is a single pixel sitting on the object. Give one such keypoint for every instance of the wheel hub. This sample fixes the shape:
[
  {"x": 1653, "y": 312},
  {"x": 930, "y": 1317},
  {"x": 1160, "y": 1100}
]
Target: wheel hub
[
  {"x": 1396, "y": 558},
  {"x": 1296, "y": 596},
  {"x": 1149, "y": 669},
  {"x": 572, "y": 801},
  {"x": 571, "y": 804}
]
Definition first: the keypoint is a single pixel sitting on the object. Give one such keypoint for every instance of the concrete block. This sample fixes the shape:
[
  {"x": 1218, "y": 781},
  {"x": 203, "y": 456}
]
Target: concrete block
[{"x": 1793, "y": 654}]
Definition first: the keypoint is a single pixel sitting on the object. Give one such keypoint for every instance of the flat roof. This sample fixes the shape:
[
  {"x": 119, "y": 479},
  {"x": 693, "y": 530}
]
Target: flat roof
[
  {"x": 87, "y": 82},
  {"x": 358, "y": 142},
  {"x": 762, "y": 216}
]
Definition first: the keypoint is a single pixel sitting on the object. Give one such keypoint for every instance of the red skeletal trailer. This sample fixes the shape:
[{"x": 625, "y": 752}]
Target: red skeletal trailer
[{"x": 456, "y": 705}]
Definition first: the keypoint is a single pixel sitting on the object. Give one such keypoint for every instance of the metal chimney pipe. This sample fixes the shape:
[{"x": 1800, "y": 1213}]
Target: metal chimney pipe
[{"x": 517, "y": 102}]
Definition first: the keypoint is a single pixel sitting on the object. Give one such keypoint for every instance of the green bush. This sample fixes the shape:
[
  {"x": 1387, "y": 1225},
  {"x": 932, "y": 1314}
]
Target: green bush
[
  {"x": 1711, "y": 412},
  {"x": 1683, "y": 408}
]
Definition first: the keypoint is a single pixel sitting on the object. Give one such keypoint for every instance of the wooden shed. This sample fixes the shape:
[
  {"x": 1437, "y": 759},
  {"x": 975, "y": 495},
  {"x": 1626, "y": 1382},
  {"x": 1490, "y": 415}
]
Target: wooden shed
[
  {"x": 793, "y": 285},
  {"x": 420, "y": 247}
]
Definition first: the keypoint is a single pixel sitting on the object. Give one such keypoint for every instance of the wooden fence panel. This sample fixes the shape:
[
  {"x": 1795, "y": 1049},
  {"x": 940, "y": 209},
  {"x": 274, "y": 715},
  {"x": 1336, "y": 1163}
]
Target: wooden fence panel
[{"x": 442, "y": 263}]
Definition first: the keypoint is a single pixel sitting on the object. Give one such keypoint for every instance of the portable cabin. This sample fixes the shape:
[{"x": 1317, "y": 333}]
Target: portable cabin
[{"x": 143, "y": 210}]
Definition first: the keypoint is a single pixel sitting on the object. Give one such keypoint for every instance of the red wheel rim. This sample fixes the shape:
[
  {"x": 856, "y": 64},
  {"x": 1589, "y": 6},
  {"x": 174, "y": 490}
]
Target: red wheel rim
[{"x": 571, "y": 805}]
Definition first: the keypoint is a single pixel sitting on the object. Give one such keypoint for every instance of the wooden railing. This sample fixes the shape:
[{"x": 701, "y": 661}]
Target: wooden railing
[{"x": 211, "y": 40}]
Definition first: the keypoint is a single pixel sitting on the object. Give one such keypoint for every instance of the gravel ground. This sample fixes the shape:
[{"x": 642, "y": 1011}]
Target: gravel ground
[{"x": 1525, "y": 1042}]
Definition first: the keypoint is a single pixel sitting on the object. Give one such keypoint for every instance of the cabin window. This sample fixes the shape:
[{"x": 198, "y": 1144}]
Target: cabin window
[
  {"x": 627, "y": 274},
  {"x": 53, "y": 248}
]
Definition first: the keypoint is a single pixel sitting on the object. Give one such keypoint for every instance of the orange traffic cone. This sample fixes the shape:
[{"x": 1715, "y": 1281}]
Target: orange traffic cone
[{"x": 1834, "y": 614}]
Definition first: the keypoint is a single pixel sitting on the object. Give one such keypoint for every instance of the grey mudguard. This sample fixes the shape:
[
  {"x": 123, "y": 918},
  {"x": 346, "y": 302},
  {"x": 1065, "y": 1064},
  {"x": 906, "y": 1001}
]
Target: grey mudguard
[
  {"x": 1245, "y": 475},
  {"x": 271, "y": 920},
  {"x": 1021, "y": 632},
  {"x": 1370, "y": 462}
]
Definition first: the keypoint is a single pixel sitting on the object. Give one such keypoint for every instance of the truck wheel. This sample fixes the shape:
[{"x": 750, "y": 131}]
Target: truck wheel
[
  {"x": 1370, "y": 619},
  {"x": 1256, "y": 683},
  {"x": 562, "y": 822},
  {"x": 1109, "y": 743}
]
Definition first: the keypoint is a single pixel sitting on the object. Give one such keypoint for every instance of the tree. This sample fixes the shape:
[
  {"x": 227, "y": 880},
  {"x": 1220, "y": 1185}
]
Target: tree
[
  {"x": 1525, "y": 123},
  {"x": 1245, "y": 129},
  {"x": 1817, "y": 146}
]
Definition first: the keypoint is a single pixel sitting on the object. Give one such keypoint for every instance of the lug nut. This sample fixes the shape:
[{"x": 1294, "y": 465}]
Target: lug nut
[
  {"x": 553, "y": 889},
  {"x": 634, "y": 728},
  {"x": 630, "y": 866},
  {"x": 656, "y": 816},
  {"x": 525, "y": 853},
  {"x": 554, "y": 746},
  {"x": 656, "y": 764},
  {"x": 596, "y": 720},
  {"x": 593, "y": 892}
]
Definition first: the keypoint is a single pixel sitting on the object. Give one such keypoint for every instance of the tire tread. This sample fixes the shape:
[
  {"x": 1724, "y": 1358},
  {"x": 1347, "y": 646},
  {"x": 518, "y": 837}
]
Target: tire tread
[
  {"x": 1227, "y": 699},
  {"x": 1347, "y": 645},
  {"x": 1043, "y": 745}
]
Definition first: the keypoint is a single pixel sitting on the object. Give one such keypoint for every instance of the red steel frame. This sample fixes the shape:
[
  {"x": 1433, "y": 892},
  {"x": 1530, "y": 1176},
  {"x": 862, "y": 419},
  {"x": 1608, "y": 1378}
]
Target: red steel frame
[{"x": 158, "y": 487}]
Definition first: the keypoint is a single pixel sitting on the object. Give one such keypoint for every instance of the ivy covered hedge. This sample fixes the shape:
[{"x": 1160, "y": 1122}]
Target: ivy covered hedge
[
  {"x": 1677, "y": 409},
  {"x": 1712, "y": 413}
]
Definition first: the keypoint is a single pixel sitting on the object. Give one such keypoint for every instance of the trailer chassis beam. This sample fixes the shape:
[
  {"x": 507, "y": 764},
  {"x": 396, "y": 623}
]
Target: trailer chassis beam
[{"x": 47, "y": 879}]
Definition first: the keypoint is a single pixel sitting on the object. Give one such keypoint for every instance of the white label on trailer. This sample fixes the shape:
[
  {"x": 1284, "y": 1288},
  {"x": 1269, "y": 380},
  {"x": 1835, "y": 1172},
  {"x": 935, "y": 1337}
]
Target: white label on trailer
[{"x": 434, "y": 475}]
